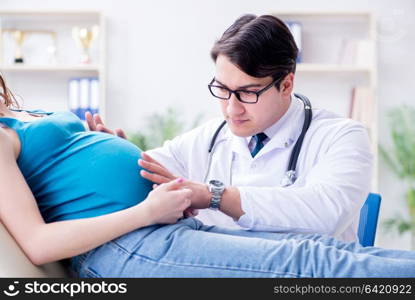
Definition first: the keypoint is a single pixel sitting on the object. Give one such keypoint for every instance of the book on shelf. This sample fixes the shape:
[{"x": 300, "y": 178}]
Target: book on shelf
[
  {"x": 362, "y": 107},
  {"x": 356, "y": 52},
  {"x": 295, "y": 28},
  {"x": 83, "y": 96}
]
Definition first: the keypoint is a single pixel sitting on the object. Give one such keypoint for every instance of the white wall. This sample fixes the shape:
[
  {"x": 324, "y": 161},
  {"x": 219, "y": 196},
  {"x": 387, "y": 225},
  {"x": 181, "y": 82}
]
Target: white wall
[{"x": 158, "y": 55}]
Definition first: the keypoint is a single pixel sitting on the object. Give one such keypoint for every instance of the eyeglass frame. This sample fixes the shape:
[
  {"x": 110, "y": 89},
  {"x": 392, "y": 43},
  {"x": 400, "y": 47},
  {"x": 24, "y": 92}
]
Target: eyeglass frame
[{"x": 258, "y": 93}]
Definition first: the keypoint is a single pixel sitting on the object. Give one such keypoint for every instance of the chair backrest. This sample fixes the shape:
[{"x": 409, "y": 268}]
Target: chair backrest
[
  {"x": 14, "y": 263},
  {"x": 369, "y": 220}
]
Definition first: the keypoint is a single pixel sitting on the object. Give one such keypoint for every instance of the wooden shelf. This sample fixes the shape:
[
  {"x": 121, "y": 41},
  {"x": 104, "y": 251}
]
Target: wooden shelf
[
  {"x": 322, "y": 14},
  {"x": 50, "y": 12},
  {"x": 42, "y": 16},
  {"x": 50, "y": 68},
  {"x": 306, "y": 67}
]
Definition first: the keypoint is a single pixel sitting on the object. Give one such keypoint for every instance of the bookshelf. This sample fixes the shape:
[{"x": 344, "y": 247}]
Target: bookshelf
[
  {"x": 338, "y": 62},
  {"x": 51, "y": 56}
]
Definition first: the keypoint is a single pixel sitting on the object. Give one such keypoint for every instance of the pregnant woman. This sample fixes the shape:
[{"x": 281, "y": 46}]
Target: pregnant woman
[{"x": 70, "y": 193}]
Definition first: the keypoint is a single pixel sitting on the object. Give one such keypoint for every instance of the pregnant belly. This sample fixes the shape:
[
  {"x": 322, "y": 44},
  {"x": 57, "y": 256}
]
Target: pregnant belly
[{"x": 97, "y": 178}]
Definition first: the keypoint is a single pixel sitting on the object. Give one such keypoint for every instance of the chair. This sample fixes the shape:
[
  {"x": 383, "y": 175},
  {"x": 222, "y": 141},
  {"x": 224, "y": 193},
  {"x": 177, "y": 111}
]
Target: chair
[
  {"x": 369, "y": 219},
  {"x": 14, "y": 263}
]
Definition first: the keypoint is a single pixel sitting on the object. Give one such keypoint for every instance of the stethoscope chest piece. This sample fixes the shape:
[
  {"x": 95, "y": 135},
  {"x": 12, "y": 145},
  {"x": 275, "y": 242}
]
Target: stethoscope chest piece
[{"x": 288, "y": 179}]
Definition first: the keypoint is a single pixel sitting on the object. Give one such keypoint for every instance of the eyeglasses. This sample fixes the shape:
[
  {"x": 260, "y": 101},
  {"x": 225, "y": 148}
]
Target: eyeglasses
[{"x": 244, "y": 96}]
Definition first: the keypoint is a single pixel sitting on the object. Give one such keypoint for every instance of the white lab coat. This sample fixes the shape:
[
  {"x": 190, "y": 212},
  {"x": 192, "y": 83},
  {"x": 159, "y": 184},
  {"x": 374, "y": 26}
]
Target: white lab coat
[{"x": 333, "y": 173}]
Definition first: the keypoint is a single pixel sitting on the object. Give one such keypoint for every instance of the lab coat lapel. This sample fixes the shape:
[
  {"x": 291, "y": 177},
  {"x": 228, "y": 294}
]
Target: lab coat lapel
[{"x": 239, "y": 145}]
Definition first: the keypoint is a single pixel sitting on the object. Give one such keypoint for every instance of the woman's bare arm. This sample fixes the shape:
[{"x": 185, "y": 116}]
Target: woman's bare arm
[{"x": 44, "y": 243}]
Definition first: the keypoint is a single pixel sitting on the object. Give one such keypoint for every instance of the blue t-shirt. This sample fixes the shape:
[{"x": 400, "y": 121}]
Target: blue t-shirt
[{"x": 74, "y": 173}]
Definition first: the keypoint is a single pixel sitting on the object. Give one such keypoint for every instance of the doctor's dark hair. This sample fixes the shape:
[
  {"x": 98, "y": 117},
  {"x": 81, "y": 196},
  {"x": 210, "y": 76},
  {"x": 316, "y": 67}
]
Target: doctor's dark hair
[
  {"x": 260, "y": 46},
  {"x": 6, "y": 95}
]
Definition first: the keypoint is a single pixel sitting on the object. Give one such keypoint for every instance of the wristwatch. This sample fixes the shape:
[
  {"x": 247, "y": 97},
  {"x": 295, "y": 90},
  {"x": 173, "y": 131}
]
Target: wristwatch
[{"x": 216, "y": 188}]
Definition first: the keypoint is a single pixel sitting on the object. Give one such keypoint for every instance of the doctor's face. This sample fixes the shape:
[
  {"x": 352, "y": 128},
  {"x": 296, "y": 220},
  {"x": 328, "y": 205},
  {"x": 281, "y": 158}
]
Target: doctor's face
[{"x": 246, "y": 119}]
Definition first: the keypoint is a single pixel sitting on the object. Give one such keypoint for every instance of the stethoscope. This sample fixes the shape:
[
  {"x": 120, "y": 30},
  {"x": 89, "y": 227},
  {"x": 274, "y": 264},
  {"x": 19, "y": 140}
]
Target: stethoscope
[{"x": 290, "y": 175}]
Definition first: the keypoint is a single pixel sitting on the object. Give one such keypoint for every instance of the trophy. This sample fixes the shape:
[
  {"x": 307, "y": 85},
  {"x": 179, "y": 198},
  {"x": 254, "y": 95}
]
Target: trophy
[
  {"x": 84, "y": 38},
  {"x": 19, "y": 36}
]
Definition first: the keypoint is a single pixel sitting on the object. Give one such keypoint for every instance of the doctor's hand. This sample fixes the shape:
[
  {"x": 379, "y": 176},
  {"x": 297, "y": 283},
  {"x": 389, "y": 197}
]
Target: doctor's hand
[
  {"x": 158, "y": 174},
  {"x": 95, "y": 124},
  {"x": 154, "y": 171},
  {"x": 167, "y": 202}
]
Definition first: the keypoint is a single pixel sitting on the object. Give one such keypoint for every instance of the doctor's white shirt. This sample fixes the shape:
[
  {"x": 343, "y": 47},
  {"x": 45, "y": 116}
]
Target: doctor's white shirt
[{"x": 333, "y": 173}]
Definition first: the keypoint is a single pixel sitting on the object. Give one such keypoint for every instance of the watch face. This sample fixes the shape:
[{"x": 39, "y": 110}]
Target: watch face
[{"x": 216, "y": 183}]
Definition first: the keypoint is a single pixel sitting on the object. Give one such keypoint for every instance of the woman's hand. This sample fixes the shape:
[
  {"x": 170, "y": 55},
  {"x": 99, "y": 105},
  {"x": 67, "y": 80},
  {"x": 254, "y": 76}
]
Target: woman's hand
[{"x": 166, "y": 203}]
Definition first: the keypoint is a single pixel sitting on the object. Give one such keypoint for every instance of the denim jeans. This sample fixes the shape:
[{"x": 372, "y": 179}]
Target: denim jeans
[{"x": 191, "y": 249}]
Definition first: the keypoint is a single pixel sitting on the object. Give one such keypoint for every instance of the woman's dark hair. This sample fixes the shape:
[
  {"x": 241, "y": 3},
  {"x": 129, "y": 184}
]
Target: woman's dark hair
[
  {"x": 6, "y": 95},
  {"x": 260, "y": 46}
]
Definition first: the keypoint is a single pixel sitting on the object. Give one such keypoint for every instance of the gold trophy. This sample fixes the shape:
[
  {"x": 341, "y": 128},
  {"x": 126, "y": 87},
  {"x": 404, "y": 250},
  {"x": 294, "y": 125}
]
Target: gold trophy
[
  {"x": 84, "y": 38},
  {"x": 19, "y": 36}
]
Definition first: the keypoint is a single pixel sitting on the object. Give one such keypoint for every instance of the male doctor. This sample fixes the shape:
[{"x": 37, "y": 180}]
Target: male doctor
[{"x": 242, "y": 179}]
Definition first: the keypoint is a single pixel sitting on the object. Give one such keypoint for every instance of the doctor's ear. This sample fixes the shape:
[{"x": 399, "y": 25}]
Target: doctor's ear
[{"x": 287, "y": 84}]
